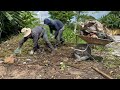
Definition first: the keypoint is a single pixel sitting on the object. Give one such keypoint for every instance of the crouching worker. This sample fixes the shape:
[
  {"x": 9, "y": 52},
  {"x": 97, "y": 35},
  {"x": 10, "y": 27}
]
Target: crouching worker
[
  {"x": 34, "y": 34},
  {"x": 58, "y": 27}
]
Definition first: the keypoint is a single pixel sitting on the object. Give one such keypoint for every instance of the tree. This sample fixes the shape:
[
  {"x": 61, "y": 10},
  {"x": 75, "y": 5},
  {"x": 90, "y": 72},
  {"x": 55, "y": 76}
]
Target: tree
[
  {"x": 9, "y": 20},
  {"x": 111, "y": 20},
  {"x": 117, "y": 13},
  {"x": 64, "y": 16},
  {"x": 29, "y": 20},
  {"x": 81, "y": 17},
  {"x": 77, "y": 13},
  {"x": 12, "y": 21}
]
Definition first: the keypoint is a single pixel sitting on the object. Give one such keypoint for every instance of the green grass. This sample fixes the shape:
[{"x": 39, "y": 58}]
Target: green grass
[
  {"x": 111, "y": 61},
  {"x": 68, "y": 35}
]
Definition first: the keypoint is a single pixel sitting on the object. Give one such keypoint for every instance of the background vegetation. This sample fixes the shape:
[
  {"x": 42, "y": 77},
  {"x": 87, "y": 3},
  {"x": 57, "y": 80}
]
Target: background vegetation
[{"x": 11, "y": 22}]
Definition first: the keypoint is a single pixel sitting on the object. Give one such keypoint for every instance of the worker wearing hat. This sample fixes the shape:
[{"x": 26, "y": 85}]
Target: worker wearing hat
[{"x": 34, "y": 34}]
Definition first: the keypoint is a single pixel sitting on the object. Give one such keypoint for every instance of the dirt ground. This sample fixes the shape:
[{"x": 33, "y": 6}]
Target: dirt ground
[{"x": 48, "y": 66}]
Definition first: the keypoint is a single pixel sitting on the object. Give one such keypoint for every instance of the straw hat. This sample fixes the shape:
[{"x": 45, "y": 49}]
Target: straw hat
[{"x": 26, "y": 31}]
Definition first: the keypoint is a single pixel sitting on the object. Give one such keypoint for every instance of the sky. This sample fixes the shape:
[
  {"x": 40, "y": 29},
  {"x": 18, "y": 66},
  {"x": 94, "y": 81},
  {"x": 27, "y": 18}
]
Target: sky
[{"x": 44, "y": 14}]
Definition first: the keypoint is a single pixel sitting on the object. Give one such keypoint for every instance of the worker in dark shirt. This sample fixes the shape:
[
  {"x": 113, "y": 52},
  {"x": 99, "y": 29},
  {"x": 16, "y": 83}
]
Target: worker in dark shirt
[
  {"x": 58, "y": 27},
  {"x": 34, "y": 34}
]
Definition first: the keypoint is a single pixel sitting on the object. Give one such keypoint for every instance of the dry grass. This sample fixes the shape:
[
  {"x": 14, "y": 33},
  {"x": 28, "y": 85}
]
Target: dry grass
[{"x": 114, "y": 32}]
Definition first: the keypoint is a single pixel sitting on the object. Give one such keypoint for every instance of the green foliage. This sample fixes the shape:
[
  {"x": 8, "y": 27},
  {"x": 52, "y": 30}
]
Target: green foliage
[
  {"x": 71, "y": 26},
  {"x": 29, "y": 20},
  {"x": 11, "y": 22},
  {"x": 81, "y": 16},
  {"x": 84, "y": 17},
  {"x": 77, "y": 14},
  {"x": 111, "y": 61},
  {"x": 62, "y": 65},
  {"x": 111, "y": 20},
  {"x": 117, "y": 13},
  {"x": 64, "y": 16},
  {"x": 70, "y": 37}
]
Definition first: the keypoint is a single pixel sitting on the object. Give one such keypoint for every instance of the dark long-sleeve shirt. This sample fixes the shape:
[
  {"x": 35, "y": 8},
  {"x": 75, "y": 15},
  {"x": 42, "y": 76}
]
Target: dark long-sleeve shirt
[{"x": 53, "y": 25}]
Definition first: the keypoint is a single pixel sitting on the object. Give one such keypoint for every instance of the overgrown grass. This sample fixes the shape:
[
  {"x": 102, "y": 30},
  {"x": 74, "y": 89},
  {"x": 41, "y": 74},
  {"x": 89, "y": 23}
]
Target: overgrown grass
[
  {"x": 68, "y": 35},
  {"x": 111, "y": 62},
  {"x": 13, "y": 41}
]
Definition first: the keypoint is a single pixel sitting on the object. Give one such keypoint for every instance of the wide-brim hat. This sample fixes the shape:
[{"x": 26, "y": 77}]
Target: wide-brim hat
[{"x": 26, "y": 31}]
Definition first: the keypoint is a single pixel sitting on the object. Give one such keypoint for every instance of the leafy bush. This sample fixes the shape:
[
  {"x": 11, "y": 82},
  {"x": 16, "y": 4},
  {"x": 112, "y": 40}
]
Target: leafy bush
[
  {"x": 11, "y": 22},
  {"x": 111, "y": 20},
  {"x": 64, "y": 16},
  {"x": 70, "y": 37}
]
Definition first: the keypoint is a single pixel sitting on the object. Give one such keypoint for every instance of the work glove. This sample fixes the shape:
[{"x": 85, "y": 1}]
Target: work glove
[{"x": 17, "y": 51}]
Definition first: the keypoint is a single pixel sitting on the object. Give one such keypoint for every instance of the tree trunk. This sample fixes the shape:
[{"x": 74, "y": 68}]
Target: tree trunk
[
  {"x": 75, "y": 27},
  {"x": 77, "y": 15}
]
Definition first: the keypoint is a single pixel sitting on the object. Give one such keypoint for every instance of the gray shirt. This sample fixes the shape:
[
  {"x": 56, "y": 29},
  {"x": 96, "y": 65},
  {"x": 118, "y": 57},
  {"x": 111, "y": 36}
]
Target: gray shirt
[{"x": 36, "y": 33}]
